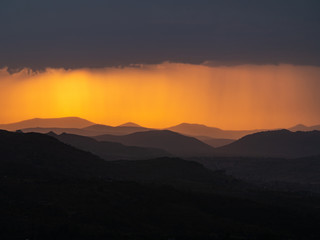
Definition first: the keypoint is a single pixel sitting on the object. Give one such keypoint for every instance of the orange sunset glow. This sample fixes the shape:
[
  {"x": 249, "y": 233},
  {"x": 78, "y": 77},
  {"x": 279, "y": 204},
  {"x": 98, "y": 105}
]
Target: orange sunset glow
[{"x": 233, "y": 97}]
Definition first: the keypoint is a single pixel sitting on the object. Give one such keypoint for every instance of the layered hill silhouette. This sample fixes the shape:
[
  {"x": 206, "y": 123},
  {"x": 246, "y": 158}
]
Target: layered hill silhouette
[
  {"x": 76, "y": 125},
  {"x": 76, "y": 131},
  {"x": 202, "y": 130},
  {"x": 100, "y": 129},
  {"x": 67, "y": 122},
  {"x": 172, "y": 142},
  {"x": 92, "y": 130},
  {"x": 109, "y": 150},
  {"x": 280, "y": 143},
  {"x": 43, "y": 156}
]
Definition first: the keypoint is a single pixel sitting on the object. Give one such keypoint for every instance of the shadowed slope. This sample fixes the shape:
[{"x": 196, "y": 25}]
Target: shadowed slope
[{"x": 171, "y": 142}]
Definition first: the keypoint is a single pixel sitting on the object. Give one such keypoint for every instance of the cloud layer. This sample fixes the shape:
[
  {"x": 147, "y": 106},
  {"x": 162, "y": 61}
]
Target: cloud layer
[{"x": 81, "y": 33}]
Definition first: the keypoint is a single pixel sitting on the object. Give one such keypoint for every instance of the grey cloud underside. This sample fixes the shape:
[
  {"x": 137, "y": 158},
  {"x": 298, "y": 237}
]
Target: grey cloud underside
[{"x": 98, "y": 33}]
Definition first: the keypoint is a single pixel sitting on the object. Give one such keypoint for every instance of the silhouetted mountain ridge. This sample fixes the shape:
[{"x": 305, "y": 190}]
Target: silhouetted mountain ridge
[
  {"x": 279, "y": 143},
  {"x": 109, "y": 150}
]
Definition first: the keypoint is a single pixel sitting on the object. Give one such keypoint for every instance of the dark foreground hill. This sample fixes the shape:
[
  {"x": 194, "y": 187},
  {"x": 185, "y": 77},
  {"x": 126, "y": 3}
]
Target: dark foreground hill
[
  {"x": 280, "y": 143},
  {"x": 110, "y": 150},
  {"x": 169, "y": 141},
  {"x": 50, "y": 190}
]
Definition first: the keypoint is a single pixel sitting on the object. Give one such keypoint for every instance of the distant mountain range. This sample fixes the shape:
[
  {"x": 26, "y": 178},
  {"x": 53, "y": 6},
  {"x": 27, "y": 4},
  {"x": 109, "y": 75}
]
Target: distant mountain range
[
  {"x": 75, "y": 125},
  {"x": 172, "y": 142},
  {"x": 184, "y": 140},
  {"x": 301, "y": 127},
  {"x": 280, "y": 143},
  {"x": 67, "y": 122}
]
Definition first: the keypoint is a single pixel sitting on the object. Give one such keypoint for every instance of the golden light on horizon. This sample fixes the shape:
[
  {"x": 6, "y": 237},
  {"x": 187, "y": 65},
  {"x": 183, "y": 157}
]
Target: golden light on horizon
[{"x": 235, "y": 97}]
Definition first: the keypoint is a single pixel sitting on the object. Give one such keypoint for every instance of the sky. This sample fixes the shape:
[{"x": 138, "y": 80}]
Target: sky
[{"x": 233, "y": 64}]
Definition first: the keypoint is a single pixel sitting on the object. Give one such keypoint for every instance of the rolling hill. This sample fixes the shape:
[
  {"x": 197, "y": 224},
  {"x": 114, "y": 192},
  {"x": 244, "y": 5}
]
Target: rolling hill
[
  {"x": 280, "y": 143},
  {"x": 174, "y": 143}
]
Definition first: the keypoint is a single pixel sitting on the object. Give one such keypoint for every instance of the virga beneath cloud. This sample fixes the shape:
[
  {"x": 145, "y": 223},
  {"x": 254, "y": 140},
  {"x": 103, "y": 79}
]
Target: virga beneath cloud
[{"x": 230, "y": 97}]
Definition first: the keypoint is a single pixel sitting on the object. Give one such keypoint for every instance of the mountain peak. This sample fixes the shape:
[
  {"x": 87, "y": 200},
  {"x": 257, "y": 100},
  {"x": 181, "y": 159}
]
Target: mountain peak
[
  {"x": 191, "y": 124},
  {"x": 299, "y": 127},
  {"x": 129, "y": 124}
]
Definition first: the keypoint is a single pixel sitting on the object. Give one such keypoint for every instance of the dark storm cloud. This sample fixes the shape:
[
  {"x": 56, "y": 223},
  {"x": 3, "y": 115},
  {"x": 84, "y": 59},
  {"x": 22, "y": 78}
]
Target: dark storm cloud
[{"x": 96, "y": 33}]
